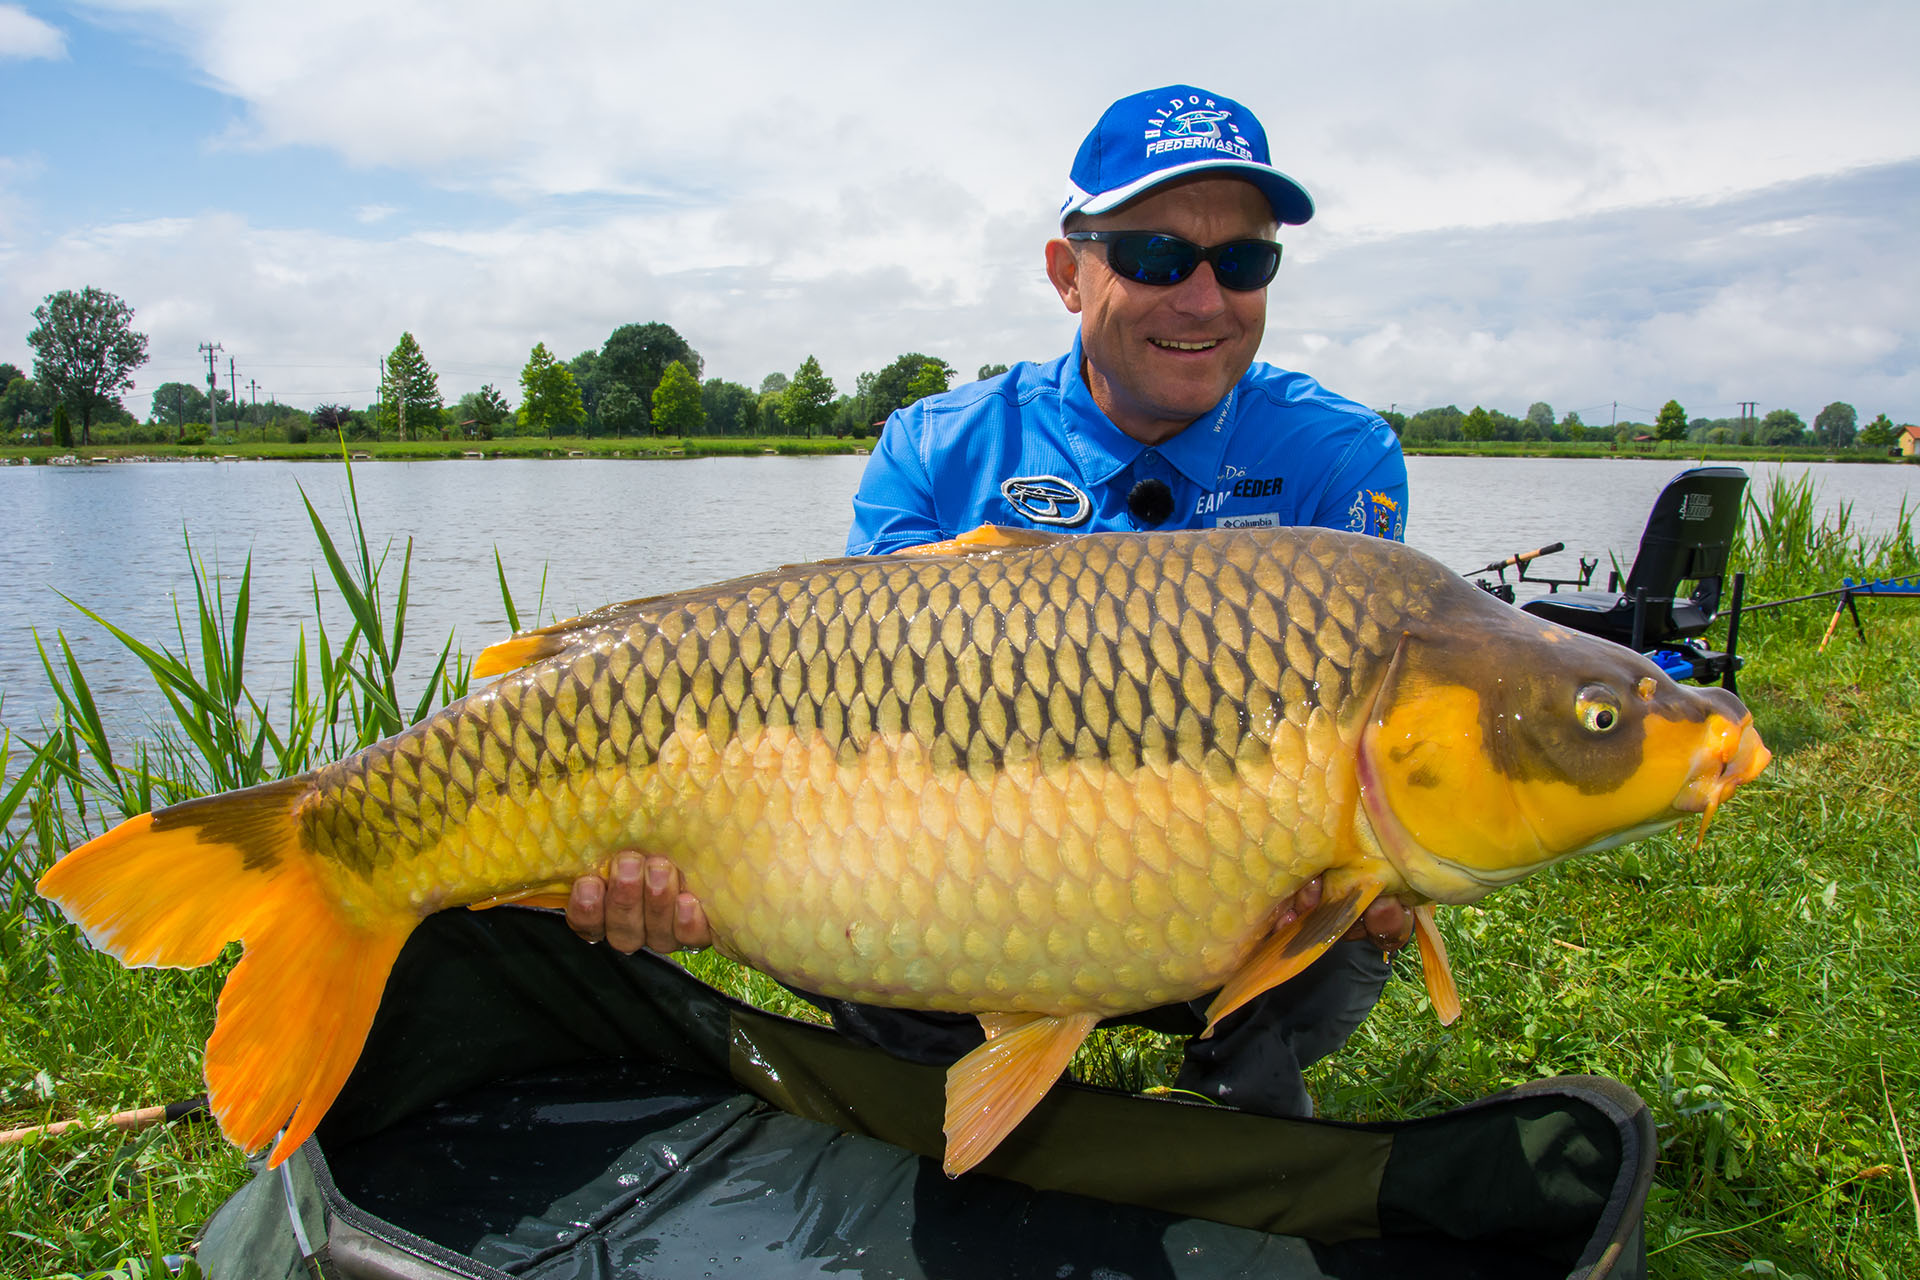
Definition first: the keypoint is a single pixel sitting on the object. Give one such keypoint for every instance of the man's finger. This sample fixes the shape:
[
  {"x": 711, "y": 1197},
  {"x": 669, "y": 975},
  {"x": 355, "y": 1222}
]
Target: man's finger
[
  {"x": 662, "y": 900},
  {"x": 626, "y": 926},
  {"x": 690, "y": 922},
  {"x": 587, "y": 908},
  {"x": 1388, "y": 924}
]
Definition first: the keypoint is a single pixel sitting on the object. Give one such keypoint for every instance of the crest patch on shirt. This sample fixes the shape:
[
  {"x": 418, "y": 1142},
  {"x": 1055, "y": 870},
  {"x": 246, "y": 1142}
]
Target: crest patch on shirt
[
  {"x": 1376, "y": 513},
  {"x": 1047, "y": 500}
]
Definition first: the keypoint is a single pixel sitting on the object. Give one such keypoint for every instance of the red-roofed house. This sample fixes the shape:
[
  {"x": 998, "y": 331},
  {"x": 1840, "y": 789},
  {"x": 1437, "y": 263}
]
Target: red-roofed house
[{"x": 1909, "y": 440}]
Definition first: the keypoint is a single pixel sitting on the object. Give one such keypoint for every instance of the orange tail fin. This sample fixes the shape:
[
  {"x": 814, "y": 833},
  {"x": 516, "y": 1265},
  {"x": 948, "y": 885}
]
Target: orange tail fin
[{"x": 173, "y": 887}]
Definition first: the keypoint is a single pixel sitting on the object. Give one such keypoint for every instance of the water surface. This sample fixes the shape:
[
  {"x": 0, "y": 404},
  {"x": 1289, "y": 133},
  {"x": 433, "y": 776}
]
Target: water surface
[{"x": 111, "y": 537}]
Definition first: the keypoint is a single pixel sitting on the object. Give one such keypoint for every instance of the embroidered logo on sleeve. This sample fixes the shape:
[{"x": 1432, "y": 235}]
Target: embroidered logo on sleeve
[{"x": 1376, "y": 513}]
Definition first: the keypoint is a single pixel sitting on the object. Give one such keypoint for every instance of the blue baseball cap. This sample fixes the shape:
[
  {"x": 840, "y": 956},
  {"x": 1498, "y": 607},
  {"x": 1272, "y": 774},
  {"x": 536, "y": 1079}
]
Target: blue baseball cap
[{"x": 1163, "y": 134}]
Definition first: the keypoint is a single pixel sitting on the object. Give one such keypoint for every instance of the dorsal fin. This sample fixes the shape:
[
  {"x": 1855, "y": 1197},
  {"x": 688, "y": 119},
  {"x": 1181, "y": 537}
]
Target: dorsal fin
[
  {"x": 988, "y": 537},
  {"x": 529, "y": 647}
]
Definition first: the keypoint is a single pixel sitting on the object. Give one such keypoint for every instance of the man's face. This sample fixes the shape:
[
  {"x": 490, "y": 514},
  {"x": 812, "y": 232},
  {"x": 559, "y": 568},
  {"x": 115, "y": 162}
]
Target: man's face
[{"x": 1159, "y": 356}]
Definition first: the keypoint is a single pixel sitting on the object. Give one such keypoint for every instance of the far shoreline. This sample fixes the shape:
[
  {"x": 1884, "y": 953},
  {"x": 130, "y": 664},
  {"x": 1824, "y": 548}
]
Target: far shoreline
[{"x": 665, "y": 449}]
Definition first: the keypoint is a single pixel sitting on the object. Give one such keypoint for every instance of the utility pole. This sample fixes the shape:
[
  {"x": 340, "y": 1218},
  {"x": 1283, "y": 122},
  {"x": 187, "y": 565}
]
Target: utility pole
[
  {"x": 213, "y": 384},
  {"x": 1747, "y": 408},
  {"x": 233, "y": 397}
]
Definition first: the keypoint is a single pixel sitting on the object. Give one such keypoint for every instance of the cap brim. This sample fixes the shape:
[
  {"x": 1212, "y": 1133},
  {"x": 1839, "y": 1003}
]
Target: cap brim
[{"x": 1291, "y": 203}]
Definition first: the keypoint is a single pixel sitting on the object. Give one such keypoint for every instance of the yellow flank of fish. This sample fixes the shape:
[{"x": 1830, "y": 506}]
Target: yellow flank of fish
[{"x": 1044, "y": 780}]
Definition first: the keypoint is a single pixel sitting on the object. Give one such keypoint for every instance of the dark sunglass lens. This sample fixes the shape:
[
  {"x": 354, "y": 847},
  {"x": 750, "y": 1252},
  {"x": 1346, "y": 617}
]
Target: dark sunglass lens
[
  {"x": 1152, "y": 259},
  {"x": 1246, "y": 264}
]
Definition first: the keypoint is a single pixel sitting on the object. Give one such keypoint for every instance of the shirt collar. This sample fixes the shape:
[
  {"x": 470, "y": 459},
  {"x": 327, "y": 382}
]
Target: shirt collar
[{"x": 1102, "y": 450}]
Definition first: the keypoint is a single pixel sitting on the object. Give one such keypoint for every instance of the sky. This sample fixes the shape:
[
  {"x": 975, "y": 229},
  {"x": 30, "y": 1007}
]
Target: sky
[{"x": 1598, "y": 206}]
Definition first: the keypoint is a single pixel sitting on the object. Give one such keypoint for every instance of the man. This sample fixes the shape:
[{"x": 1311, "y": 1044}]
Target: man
[{"x": 1158, "y": 418}]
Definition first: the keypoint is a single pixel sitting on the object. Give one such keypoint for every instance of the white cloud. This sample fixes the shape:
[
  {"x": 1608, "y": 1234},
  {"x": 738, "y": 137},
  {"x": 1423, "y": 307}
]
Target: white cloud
[
  {"x": 1517, "y": 201},
  {"x": 24, "y": 36}
]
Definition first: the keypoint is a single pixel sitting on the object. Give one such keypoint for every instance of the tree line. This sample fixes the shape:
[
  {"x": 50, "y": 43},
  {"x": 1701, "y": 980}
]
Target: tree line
[
  {"x": 646, "y": 380},
  {"x": 1837, "y": 426}
]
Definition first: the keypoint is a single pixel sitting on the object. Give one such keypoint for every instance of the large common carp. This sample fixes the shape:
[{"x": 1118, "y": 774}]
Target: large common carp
[{"x": 1041, "y": 779}]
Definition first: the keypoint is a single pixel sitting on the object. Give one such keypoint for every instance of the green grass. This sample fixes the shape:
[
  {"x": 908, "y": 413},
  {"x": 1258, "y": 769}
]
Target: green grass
[{"x": 1760, "y": 988}]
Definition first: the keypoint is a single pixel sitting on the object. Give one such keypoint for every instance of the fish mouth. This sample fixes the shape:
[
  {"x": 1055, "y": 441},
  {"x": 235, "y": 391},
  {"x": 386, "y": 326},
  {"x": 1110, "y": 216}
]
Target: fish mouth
[{"x": 1733, "y": 757}]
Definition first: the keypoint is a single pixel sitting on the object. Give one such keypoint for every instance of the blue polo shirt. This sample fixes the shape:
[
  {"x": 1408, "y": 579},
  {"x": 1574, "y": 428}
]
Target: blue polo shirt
[{"x": 1031, "y": 449}]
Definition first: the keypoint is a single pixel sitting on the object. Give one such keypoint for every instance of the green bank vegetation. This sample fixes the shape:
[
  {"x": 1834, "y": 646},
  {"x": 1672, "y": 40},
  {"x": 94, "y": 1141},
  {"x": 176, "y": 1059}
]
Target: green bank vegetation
[{"x": 1760, "y": 988}]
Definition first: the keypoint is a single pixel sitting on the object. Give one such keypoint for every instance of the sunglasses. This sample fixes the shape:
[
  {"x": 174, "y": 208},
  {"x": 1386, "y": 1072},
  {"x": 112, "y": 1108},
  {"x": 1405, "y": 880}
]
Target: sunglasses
[{"x": 1151, "y": 257}]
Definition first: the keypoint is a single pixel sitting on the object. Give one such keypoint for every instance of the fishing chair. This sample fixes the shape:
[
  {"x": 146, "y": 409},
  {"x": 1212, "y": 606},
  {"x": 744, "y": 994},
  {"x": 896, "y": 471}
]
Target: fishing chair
[{"x": 1688, "y": 538}]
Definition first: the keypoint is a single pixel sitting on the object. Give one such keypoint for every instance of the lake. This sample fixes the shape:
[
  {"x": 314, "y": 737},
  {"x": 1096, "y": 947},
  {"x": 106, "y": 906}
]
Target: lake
[{"x": 111, "y": 537}]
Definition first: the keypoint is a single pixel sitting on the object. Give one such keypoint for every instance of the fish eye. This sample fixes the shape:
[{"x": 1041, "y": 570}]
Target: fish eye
[{"x": 1598, "y": 709}]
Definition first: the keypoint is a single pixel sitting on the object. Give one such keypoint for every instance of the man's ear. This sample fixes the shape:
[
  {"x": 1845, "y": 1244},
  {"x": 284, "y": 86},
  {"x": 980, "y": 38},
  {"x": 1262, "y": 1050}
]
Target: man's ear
[{"x": 1063, "y": 268}]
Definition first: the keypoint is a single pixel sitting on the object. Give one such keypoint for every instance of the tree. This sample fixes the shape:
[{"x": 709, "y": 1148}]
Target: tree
[
  {"x": 1571, "y": 424},
  {"x": 482, "y": 411},
  {"x": 1477, "y": 426},
  {"x": 727, "y": 405},
  {"x": 178, "y": 403},
  {"x": 333, "y": 417},
  {"x": 808, "y": 399},
  {"x": 585, "y": 369},
  {"x": 9, "y": 373},
  {"x": 409, "y": 391},
  {"x": 85, "y": 351},
  {"x": 1834, "y": 425},
  {"x": 638, "y": 355},
  {"x": 773, "y": 384},
  {"x": 62, "y": 431},
  {"x": 990, "y": 371},
  {"x": 23, "y": 404},
  {"x": 1442, "y": 423},
  {"x": 1540, "y": 414},
  {"x": 889, "y": 389},
  {"x": 1671, "y": 424},
  {"x": 622, "y": 410},
  {"x": 1879, "y": 433},
  {"x": 930, "y": 379},
  {"x": 548, "y": 394},
  {"x": 1782, "y": 426},
  {"x": 676, "y": 402}
]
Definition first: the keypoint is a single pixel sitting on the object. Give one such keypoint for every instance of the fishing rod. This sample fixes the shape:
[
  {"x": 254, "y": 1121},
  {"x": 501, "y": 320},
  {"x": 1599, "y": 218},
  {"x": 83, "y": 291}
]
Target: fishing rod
[
  {"x": 1519, "y": 561},
  {"x": 131, "y": 1121},
  {"x": 1848, "y": 591}
]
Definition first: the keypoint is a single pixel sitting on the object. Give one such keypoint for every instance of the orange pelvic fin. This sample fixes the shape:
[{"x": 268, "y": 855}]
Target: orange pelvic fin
[
  {"x": 988, "y": 537},
  {"x": 1298, "y": 943},
  {"x": 993, "y": 1088},
  {"x": 172, "y": 888},
  {"x": 552, "y": 895},
  {"x": 1434, "y": 967}
]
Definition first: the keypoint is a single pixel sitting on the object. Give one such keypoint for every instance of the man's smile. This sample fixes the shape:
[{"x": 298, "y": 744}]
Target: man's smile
[{"x": 1169, "y": 344}]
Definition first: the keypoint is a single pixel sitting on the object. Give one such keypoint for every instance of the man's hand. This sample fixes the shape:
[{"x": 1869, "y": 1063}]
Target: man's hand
[
  {"x": 1388, "y": 924},
  {"x": 639, "y": 903}
]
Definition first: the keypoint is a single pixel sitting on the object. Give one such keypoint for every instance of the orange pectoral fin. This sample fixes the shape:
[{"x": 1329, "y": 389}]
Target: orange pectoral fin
[
  {"x": 1297, "y": 944},
  {"x": 993, "y": 1088},
  {"x": 1434, "y": 966}
]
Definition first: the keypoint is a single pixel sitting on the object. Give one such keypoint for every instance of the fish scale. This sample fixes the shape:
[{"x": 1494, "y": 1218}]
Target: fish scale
[{"x": 1039, "y": 779}]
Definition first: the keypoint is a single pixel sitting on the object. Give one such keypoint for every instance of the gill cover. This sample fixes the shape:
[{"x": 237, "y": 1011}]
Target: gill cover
[{"x": 1488, "y": 757}]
